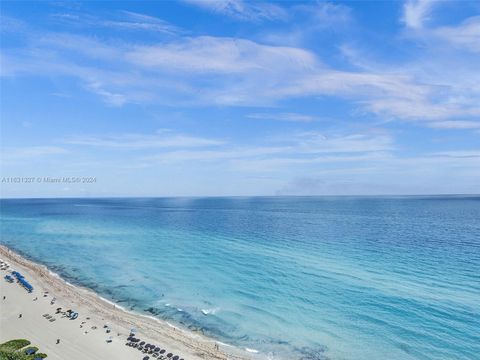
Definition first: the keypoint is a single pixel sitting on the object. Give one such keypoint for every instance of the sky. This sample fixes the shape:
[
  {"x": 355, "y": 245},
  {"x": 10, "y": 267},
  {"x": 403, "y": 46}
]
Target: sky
[{"x": 219, "y": 98}]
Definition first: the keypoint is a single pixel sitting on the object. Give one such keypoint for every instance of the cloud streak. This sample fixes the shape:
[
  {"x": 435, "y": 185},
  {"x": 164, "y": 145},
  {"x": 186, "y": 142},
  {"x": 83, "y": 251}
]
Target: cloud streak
[
  {"x": 416, "y": 12},
  {"x": 288, "y": 116},
  {"x": 163, "y": 139},
  {"x": 242, "y": 10},
  {"x": 225, "y": 71},
  {"x": 29, "y": 153},
  {"x": 122, "y": 20}
]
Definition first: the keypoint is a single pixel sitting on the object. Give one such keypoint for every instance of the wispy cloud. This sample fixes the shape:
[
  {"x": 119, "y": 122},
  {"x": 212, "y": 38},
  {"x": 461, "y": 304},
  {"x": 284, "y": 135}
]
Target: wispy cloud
[
  {"x": 283, "y": 152},
  {"x": 242, "y": 10},
  {"x": 137, "y": 21},
  {"x": 458, "y": 124},
  {"x": 162, "y": 139},
  {"x": 416, "y": 12},
  {"x": 391, "y": 175},
  {"x": 29, "y": 153},
  {"x": 466, "y": 35},
  {"x": 207, "y": 54},
  {"x": 287, "y": 116},
  {"x": 210, "y": 70},
  {"x": 240, "y": 73},
  {"x": 459, "y": 154},
  {"x": 121, "y": 20}
]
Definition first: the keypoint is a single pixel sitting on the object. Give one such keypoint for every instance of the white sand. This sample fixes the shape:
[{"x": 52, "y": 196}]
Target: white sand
[{"x": 74, "y": 343}]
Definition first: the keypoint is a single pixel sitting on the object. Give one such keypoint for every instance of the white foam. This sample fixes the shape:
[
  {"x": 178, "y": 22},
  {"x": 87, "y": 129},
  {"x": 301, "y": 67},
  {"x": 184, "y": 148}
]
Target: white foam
[
  {"x": 209, "y": 311},
  {"x": 251, "y": 350},
  {"x": 54, "y": 274},
  {"x": 106, "y": 300}
]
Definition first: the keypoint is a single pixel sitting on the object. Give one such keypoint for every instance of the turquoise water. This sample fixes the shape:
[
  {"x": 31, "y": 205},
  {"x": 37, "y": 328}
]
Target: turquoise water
[{"x": 305, "y": 278}]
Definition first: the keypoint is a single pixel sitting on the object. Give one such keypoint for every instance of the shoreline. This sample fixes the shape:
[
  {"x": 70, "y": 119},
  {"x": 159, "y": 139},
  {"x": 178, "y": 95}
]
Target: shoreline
[{"x": 100, "y": 311}]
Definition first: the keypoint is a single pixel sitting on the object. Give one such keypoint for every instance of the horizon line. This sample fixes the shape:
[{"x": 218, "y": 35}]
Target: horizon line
[{"x": 238, "y": 196}]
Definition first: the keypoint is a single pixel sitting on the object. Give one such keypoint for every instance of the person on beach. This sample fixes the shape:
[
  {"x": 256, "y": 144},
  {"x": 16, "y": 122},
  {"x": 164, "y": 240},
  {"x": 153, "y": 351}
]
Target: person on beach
[
  {"x": 58, "y": 341},
  {"x": 4, "y": 297},
  {"x": 20, "y": 316}
]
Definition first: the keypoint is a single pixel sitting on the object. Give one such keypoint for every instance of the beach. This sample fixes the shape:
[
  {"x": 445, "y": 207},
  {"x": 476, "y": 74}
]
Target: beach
[{"x": 99, "y": 320}]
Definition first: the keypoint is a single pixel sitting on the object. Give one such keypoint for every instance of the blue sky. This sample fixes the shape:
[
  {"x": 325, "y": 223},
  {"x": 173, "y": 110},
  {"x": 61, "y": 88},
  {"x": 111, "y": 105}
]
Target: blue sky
[{"x": 210, "y": 98}]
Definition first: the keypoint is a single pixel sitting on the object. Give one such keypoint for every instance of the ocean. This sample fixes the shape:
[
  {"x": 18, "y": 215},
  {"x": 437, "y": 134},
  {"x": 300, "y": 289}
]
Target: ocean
[{"x": 284, "y": 277}]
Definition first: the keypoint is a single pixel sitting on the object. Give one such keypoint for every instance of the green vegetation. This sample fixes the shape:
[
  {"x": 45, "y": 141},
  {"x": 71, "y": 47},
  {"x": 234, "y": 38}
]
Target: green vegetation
[
  {"x": 13, "y": 355},
  {"x": 40, "y": 355},
  {"x": 14, "y": 345},
  {"x": 15, "y": 350}
]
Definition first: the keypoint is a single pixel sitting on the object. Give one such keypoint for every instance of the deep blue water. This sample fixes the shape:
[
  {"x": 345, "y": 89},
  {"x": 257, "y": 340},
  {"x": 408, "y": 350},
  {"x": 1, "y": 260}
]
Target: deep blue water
[{"x": 307, "y": 277}]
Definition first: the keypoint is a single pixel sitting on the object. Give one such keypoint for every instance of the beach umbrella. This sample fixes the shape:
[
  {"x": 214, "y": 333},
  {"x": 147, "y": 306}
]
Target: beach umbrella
[
  {"x": 175, "y": 357},
  {"x": 157, "y": 349},
  {"x": 142, "y": 343},
  {"x": 162, "y": 351},
  {"x": 169, "y": 355},
  {"x": 146, "y": 358}
]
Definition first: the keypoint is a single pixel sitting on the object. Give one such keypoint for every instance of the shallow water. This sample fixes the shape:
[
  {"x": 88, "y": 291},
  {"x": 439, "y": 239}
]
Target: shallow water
[{"x": 307, "y": 277}]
